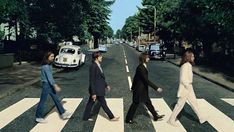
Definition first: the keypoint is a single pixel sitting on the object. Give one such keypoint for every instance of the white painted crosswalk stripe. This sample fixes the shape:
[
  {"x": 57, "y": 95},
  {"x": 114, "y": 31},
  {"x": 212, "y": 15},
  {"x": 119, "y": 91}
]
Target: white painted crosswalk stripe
[
  {"x": 15, "y": 110},
  {"x": 103, "y": 124},
  {"x": 228, "y": 100},
  {"x": 163, "y": 126},
  {"x": 217, "y": 119},
  {"x": 55, "y": 123}
]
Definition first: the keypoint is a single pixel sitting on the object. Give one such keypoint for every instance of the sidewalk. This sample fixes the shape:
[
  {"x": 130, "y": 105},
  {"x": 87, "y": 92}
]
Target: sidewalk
[
  {"x": 19, "y": 77},
  {"x": 217, "y": 77}
]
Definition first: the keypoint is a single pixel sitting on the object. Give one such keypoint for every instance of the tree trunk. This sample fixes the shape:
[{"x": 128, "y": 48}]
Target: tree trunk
[{"x": 95, "y": 41}]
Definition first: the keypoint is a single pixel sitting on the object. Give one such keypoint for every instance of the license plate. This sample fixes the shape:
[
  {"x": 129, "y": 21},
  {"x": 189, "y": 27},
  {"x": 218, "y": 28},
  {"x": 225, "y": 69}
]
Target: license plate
[{"x": 64, "y": 59}]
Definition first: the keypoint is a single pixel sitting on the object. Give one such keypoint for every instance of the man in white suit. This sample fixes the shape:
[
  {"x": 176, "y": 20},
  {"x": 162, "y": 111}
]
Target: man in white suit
[{"x": 185, "y": 91}]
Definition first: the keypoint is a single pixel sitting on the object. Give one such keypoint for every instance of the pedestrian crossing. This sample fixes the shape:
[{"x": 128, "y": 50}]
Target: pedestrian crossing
[
  {"x": 230, "y": 101},
  {"x": 116, "y": 106},
  {"x": 55, "y": 123},
  {"x": 16, "y": 110},
  {"x": 215, "y": 117},
  {"x": 162, "y": 126}
]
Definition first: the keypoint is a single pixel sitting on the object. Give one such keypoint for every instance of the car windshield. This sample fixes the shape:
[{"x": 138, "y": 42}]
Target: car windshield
[
  {"x": 67, "y": 50},
  {"x": 154, "y": 47}
]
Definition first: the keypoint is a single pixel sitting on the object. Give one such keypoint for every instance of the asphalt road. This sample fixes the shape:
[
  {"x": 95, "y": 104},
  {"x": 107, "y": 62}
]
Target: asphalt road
[{"x": 74, "y": 84}]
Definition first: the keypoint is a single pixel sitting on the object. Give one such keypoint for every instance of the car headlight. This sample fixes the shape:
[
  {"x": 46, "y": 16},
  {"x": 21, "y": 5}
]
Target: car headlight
[
  {"x": 74, "y": 61},
  {"x": 56, "y": 59}
]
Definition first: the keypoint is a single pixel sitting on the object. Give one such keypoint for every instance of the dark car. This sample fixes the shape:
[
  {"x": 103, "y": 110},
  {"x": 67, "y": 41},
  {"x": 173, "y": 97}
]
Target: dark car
[{"x": 156, "y": 52}]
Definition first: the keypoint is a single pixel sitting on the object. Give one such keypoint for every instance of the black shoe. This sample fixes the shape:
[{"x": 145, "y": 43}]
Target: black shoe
[
  {"x": 130, "y": 122},
  {"x": 158, "y": 117}
]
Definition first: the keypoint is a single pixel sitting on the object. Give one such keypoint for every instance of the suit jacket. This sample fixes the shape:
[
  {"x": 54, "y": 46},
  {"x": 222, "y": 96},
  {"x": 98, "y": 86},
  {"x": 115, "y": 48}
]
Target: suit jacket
[
  {"x": 140, "y": 85},
  {"x": 97, "y": 83},
  {"x": 186, "y": 80}
]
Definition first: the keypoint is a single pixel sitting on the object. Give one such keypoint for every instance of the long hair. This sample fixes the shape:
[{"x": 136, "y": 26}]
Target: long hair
[
  {"x": 95, "y": 55},
  {"x": 45, "y": 59},
  {"x": 142, "y": 58},
  {"x": 187, "y": 57}
]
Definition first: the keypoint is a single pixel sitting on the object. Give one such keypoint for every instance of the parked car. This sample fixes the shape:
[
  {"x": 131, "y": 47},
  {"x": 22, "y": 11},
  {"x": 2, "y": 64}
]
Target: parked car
[
  {"x": 141, "y": 48},
  {"x": 69, "y": 56},
  {"x": 156, "y": 52},
  {"x": 102, "y": 48}
]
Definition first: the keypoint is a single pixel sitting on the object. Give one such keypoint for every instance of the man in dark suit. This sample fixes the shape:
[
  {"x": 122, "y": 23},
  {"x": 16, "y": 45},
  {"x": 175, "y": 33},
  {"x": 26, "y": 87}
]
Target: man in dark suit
[
  {"x": 97, "y": 87},
  {"x": 140, "y": 90}
]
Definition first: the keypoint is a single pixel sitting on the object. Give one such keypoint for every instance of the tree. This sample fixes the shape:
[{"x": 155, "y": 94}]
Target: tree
[
  {"x": 118, "y": 34},
  {"x": 97, "y": 14},
  {"x": 131, "y": 28}
]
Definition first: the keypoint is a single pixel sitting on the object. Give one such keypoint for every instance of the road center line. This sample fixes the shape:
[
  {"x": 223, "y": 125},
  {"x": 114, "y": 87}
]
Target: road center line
[
  {"x": 129, "y": 82},
  {"x": 126, "y": 62},
  {"x": 127, "y": 68}
]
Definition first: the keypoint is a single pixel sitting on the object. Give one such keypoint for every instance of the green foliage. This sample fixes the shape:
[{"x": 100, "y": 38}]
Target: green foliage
[
  {"x": 131, "y": 28},
  {"x": 58, "y": 19},
  {"x": 206, "y": 21}
]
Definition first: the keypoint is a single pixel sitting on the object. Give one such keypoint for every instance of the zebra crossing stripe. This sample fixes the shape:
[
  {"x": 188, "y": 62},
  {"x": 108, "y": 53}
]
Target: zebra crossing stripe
[
  {"x": 55, "y": 123},
  {"x": 162, "y": 126},
  {"x": 216, "y": 118},
  {"x": 228, "y": 100},
  {"x": 103, "y": 124},
  {"x": 9, "y": 114}
]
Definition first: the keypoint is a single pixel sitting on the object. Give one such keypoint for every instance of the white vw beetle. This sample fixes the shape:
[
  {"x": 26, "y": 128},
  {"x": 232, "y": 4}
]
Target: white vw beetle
[{"x": 69, "y": 56}]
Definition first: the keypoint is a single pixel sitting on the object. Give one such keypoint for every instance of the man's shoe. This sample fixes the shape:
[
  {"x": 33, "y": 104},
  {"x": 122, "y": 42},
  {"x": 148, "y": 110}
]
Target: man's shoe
[
  {"x": 66, "y": 115},
  {"x": 115, "y": 119},
  {"x": 41, "y": 120},
  {"x": 158, "y": 117},
  {"x": 130, "y": 122},
  {"x": 173, "y": 123}
]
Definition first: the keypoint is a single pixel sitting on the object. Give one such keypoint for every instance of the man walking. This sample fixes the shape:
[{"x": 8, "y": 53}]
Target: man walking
[{"x": 97, "y": 87}]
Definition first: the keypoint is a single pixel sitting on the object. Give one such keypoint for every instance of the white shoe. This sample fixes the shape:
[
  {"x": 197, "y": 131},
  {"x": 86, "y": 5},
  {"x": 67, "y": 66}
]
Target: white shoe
[
  {"x": 173, "y": 123},
  {"x": 41, "y": 120},
  {"x": 90, "y": 119},
  {"x": 66, "y": 115}
]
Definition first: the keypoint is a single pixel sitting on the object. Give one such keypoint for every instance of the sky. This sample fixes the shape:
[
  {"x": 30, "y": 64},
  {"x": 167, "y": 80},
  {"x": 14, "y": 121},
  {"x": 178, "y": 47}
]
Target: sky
[{"x": 121, "y": 10}]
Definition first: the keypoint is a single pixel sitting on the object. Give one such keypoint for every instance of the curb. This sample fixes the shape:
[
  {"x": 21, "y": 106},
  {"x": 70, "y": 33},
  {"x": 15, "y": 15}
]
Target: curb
[
  {"x": 222, "y": 85},
  {"x": 14, "y": 89}
]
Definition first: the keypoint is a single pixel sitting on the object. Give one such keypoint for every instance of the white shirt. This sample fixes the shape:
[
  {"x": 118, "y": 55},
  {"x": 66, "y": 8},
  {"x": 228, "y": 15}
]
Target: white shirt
[
  {"x": 99, "y": 66},
  {"x": 145, "y": 65}
]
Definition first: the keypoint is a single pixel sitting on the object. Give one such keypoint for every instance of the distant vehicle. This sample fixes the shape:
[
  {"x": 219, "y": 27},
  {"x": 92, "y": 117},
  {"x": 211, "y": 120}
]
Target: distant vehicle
[
  {"x": 102, "y": 48},
  {"x": 130, "y": 44},
  {"x": 155, "y": 51},
  {"x": 141, "y": 48},
  {"x": 69, "y": 56}
]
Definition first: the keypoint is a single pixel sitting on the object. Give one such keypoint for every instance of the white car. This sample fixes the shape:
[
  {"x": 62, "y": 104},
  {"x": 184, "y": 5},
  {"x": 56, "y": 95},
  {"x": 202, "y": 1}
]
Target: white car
[
  {"x": 102, "y": 48},
  {"x": 69, "y": 56}
]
